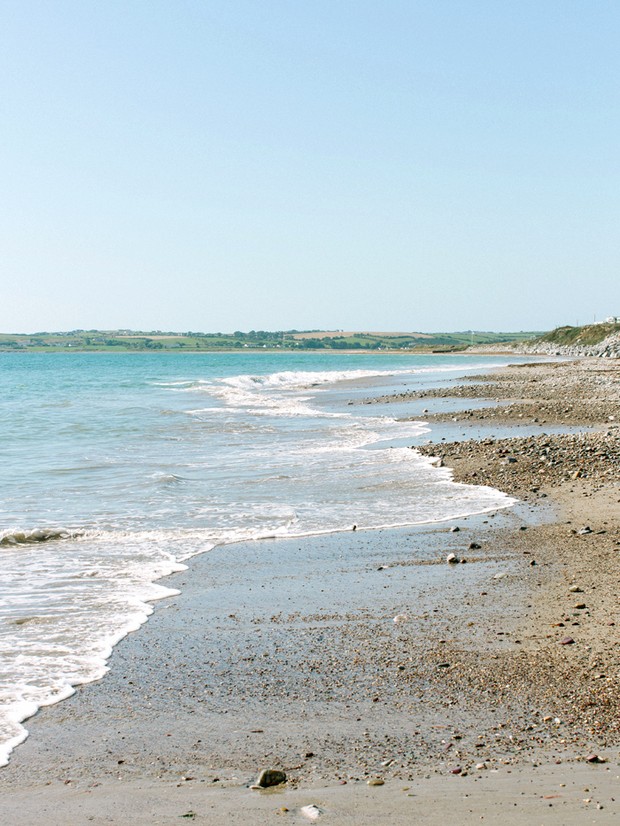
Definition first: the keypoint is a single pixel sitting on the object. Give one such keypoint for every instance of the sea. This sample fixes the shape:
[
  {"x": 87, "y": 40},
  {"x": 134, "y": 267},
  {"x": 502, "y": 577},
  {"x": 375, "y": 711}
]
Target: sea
[{"x": 119, "y": 467}]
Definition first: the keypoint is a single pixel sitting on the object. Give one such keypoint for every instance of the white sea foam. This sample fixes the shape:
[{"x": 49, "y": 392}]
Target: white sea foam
[{"x": 63, "y": 613}]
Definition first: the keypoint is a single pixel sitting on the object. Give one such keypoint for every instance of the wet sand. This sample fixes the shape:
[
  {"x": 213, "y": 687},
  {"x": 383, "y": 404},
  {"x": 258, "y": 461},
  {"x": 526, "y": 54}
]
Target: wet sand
[{"x": 286, "y": 654}]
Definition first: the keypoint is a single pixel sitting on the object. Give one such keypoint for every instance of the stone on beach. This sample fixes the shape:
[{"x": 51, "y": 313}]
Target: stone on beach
[
  {"x": 312, "y": 812},
  {"x": 452, "y": 559},
  {"x": 269, "y": 777}
]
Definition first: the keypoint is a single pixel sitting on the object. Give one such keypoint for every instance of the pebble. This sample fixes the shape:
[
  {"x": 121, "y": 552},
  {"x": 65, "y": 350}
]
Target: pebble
[
  {"x": 375, "y": 781},
  {"x": 269, "y": 777},
  {"x": 452, "y": 559},
  {"x": 575, "y": 589},
  {"x": 567, "y": 641},
  {"x": 312, "y": 812}
]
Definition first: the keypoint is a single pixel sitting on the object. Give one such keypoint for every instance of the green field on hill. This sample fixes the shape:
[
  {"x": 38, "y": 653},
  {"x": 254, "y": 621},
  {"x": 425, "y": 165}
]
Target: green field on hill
[{"x": 129, "y": 341}]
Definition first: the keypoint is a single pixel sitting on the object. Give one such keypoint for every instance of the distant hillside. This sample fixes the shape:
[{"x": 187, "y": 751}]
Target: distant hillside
[
  {"x": 590, "y": 334},
  {"x": 423, "y": 342},
  {"x": 158, "y": 340},
  {"x": 601, "y": 340}
]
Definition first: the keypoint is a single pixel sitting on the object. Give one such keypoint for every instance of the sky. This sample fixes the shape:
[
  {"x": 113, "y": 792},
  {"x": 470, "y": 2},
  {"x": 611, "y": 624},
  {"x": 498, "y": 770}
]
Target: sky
[{"x": 220, "y": 165}]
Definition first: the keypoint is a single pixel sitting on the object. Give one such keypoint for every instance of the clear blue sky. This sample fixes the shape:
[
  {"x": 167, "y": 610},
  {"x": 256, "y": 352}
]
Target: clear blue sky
[{"x": 338, "y": 164}]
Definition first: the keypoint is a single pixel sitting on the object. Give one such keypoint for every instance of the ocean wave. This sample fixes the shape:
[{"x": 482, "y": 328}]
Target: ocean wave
[
  {"x": 38, "y": 535},
  {"x": 170, "y": 479},
  {"x": 306, "y": 379},
  {"x": 286, "y": 393}
]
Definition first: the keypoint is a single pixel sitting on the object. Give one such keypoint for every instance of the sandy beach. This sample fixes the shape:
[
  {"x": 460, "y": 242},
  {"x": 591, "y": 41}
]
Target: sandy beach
[{"x": 483, "y": 690}]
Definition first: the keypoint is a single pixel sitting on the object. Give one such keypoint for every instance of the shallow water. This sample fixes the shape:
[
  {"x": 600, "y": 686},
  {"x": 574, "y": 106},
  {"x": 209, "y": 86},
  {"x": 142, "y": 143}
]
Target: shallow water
[{"x": 119, "y": 467}]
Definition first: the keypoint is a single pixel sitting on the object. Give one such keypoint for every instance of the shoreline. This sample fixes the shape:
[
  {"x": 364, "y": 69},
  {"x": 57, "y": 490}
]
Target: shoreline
[{"x": 467, "y": 677}]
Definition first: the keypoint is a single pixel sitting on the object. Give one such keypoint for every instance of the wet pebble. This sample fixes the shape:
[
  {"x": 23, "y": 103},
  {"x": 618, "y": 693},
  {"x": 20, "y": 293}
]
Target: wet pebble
[{"x": 269, "y": 777}]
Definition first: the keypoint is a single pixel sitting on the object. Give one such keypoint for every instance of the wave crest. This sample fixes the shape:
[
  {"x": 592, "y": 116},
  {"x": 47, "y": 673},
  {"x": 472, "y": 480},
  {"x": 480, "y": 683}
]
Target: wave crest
[{"x": 36, "y": 536}]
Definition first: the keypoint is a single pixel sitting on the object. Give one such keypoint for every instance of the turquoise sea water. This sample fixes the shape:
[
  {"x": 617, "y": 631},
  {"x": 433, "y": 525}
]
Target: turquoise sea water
[{"x": 116, "y": 468}]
